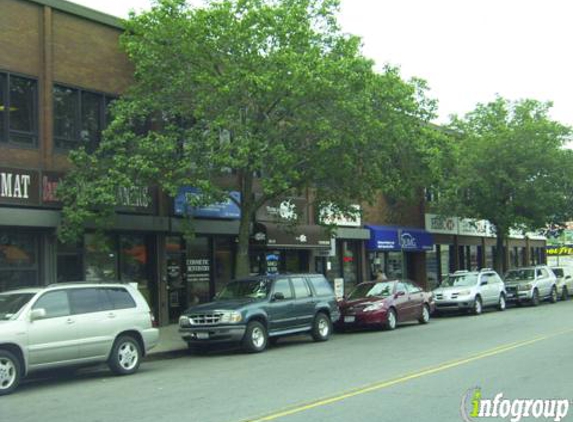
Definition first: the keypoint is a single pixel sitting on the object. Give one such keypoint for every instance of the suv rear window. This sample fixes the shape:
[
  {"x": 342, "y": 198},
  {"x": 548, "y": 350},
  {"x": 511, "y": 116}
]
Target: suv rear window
[
  {"x": 558, "y": 272},
  {"x": 120, "y": 298},
  {"x": 321, "y": 286}
]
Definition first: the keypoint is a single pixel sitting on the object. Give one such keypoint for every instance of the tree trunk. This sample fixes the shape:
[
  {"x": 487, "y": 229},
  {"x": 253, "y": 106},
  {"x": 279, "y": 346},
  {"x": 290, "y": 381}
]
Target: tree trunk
[
  {"x": 501, "y": 264},
  {"x": 242, "y": 263}
]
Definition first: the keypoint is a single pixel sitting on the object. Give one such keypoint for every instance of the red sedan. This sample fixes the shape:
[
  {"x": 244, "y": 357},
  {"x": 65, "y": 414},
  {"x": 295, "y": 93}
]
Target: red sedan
[{"x": 385, "y": 304}]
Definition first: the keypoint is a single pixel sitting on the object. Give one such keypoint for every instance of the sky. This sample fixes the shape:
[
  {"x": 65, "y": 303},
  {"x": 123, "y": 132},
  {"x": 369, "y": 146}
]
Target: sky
[{"x": 468, "y": 51}]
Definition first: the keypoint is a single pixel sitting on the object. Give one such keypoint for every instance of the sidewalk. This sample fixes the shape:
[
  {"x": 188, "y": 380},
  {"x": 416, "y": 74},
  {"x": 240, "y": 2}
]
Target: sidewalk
[{"x": 169, "y": 340}]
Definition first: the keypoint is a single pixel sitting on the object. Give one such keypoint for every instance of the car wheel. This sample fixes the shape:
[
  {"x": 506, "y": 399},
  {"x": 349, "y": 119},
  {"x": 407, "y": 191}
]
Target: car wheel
[
  {"x": 391, "y": 319},
  {"x": 478, "y": 307},
  {"x": 535, "y": 298},
  {"x": 10, "y": 372},
  {"x": 425, "y": 317},
  {"x": 553, "y": 295},
  {"x": 125, "y": 356},
  {"x": 256, "y": 337},
  {"x": 321, "y": 327},
  {"x": 564, "y": 293},
  {"x": 501, "y": 305}
]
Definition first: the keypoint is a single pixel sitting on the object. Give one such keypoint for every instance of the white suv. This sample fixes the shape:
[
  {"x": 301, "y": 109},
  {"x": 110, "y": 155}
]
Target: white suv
[
  {"x": 564, "y": 276},
  {"x": 73, "y": 324}
]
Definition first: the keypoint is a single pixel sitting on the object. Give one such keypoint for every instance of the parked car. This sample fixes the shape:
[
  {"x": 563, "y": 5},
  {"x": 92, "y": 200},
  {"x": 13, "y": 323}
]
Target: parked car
[
  {"x": 73, "y": 324},
  {"x": 531, "y": 284},
  {"x": 564, "y": 275},
  {"x": 256, "y": 310},
  {"x": 385, "y": 304},
  {"x": 471, "y": 291}
]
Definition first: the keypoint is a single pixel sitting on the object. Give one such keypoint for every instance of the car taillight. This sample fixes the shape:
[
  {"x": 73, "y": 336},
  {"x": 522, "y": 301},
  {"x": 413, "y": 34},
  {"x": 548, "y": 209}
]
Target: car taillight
[{"x": 153, "y": 321}]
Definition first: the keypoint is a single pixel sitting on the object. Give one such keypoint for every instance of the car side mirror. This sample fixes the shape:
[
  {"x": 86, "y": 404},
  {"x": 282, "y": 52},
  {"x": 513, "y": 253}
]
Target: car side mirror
[
  {"x": 398, "y": 294},
  {"x": 37, "y": 314},
  {"x": 278, "y": 296},
  {"x": 483, "y": 283},
  {"x": 567, "y": 277}
]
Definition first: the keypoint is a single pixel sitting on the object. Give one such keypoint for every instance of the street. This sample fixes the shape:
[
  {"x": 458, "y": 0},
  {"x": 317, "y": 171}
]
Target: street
[{"x": 415, "y": 373}]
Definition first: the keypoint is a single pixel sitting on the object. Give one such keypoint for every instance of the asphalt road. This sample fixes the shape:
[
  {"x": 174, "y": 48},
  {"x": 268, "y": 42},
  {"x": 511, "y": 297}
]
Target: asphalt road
[{"x": 415, "y": 373}]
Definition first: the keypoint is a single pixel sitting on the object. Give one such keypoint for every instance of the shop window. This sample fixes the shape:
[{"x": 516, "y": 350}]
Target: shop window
[
  {"x": 79, "y": 117},
  {"x": 394, "y": 265},
  {"x": 432, "y": 267},
  {"x": 133, "y": 263},
  {"x": 223, "y": 262},
  {"x": 101, "y": 258},
  {"x": 198, "y": 271},
  {"x": 350, "y": 263},
  {"x": 18, "y": 260},
  {"x": 70, "y": 264},
  {"x": 18, "y": 110}
]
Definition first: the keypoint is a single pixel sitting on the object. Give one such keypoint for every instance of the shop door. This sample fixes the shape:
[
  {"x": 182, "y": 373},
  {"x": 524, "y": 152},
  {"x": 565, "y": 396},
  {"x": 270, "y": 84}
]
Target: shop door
[{"x": 176, "y": 287}]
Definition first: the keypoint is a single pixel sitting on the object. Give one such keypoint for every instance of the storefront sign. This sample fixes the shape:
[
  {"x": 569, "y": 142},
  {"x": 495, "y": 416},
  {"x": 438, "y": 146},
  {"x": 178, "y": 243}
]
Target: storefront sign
[
  {"x": 328, "y": 217},
  {"x": 198, "y": 270},
  {"x": 19, "y": 187},
  {"x": 473, "y": 227},
  {"x": 563, "y": 250},
  {"x": 441, "y": 225},
  {"x": 227, "y": 209},
  {"x": 384, "y": 238},
  {"x": 287, "y": 210},
  {"x": 272, "y": 263},
  {"x": 299, "y": 236},
  {"x": 136, "y": 199},
  {"x": 50, "y": 182}
]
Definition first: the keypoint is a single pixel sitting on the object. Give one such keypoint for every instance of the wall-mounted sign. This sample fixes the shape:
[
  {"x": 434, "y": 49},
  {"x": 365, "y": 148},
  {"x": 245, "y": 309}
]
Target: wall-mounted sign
[
  {"x": 441, "y": 225},
  {"x": 563, "y": 250},
  {"x": 136, "y": 199},
  {"x": 328, "y": 217},
  {"x": 286, "y": 210},
  {"x": 50, "y": 182},
  {"x": 19, "y": 187},
  {"x": 227, "y": 209}
]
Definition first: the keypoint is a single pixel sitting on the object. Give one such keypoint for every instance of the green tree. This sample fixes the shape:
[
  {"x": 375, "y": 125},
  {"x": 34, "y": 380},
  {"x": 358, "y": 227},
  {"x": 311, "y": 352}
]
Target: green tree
[
  {"x": 265, "y": 88},
  {"x": 508, "y": 166}
]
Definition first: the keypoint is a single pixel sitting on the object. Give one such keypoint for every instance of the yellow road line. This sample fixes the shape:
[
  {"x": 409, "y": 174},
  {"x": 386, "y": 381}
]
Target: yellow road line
[{"x": 421, "y": 373}]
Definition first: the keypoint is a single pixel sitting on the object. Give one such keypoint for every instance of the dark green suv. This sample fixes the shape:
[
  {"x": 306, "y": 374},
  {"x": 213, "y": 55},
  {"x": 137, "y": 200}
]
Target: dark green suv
[{"x": 256, "y": 310}]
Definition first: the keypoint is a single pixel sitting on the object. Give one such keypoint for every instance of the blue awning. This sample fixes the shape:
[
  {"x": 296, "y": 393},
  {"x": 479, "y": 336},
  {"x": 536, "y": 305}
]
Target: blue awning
[{"x": 384, "y": 238}]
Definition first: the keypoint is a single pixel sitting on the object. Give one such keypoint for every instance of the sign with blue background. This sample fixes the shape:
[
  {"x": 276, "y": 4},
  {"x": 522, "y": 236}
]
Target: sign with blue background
[
  {"x": 384, "y": 238},
  {"x": 221, "y": 210}
]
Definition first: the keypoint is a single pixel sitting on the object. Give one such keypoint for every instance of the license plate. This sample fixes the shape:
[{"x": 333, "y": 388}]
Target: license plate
[
  {"x": 349, "y": 318},
  {"x": 202, "y": 336}
]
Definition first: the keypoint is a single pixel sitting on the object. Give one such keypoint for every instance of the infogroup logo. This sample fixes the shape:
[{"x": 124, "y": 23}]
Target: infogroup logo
[{"x": 474, "y": 407}]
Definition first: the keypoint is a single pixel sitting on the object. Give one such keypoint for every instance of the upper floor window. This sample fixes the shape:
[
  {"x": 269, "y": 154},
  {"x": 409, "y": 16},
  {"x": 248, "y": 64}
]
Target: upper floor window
[
  {"x": 79, "y": 117},
  {"x": 18, "y": 110}
]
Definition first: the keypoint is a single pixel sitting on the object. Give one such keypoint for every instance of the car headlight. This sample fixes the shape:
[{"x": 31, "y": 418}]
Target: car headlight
[
  {"x": 527, "y": 286},
  {"x": 373, "y": 307},
  {"x": 231, "y": 317},
  {"x": 184, "y": 321},
  {"x": 465, "y": 293}
]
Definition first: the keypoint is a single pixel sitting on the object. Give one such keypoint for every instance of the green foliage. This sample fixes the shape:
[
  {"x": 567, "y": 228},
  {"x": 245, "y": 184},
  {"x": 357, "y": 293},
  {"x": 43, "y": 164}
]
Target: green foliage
[
  {"x": 509, "y": 166},
  {"x": 264, "y": 87}
]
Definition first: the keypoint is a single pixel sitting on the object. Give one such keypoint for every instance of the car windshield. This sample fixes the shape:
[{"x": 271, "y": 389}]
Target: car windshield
[
  {"x": 384, "y": 289},
  {"x": 254, "y": 289},
  {"x": 11, "y": 303},
  {"x": 461, "y": 280},
  {"x": 519, "y": 275}
]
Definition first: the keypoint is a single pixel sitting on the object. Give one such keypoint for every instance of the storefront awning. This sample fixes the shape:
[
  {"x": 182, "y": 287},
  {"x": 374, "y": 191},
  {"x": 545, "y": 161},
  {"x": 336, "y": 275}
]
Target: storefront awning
[
  {"x": 384, "y": 238},
  {"x": 286, "y": 236}
]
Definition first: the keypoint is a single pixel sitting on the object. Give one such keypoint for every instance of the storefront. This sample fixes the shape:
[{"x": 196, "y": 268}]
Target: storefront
[
  {"x": 344, "y": 265},
  {"x": 399, "y": 252}
]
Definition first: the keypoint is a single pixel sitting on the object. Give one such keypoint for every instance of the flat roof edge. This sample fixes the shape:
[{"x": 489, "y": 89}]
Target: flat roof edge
[{"x": 82, "y": 11}]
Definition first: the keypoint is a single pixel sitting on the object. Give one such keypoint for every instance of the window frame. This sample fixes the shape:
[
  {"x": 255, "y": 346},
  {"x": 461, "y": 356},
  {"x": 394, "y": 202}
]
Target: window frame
[
  {"x": 5, "y": 99},
  {"x": 104, "y": 118}
]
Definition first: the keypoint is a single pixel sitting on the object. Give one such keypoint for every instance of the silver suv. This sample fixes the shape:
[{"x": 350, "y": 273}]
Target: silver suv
[
  {"x": 531, "y": 284},
  {"x": 470, "y": 290},
  {"x": 73, "y": 324}
]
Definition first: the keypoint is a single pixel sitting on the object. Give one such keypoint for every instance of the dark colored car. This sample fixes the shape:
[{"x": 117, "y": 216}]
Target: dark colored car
[
  {"x": 384, "y": 304},
  {"x": 256, "y": 310}
]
